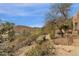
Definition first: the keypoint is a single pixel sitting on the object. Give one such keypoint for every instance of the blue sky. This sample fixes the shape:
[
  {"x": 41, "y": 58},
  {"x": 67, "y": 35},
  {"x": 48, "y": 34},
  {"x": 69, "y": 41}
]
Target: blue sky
[{"x": 28, "y": 14}]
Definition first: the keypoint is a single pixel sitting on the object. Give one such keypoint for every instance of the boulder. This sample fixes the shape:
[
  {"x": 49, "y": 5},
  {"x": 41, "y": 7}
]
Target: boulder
[
  {"x": 43, "y": 38},
  {"x": 40, "y": 39},
  {"x": 47, "y": 37}
]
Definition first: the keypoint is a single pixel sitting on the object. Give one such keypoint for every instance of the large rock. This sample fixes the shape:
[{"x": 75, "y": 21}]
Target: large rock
[
  {"x": 40, "y": 39},
  {"x": 47, "y": 37}
]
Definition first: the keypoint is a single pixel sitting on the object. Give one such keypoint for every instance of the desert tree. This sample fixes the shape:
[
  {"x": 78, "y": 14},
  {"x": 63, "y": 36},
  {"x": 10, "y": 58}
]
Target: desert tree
[
  {"x": 57, "y": 15},
  {"x": 60, "y": 9}
]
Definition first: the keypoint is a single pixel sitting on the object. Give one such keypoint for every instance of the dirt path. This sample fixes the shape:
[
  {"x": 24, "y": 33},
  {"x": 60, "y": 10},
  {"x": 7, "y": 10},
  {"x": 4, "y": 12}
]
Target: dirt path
[
  {"x": 68, "y": 50},
  {"x": 63, "y": 50}
]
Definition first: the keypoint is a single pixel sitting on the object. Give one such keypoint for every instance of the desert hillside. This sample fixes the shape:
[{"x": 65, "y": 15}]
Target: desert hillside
[
  {"x": 32, "y": 31},
  {"x": 38, "y": 41}
]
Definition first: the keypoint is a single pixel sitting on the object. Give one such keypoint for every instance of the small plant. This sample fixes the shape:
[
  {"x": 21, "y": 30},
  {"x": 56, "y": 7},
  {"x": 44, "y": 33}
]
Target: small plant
[{"x": 41, "y": 50}]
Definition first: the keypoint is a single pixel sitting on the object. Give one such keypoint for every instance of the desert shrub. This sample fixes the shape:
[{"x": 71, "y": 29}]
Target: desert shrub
[
  {"x": 2, "y": 53},
  {"x": 6, "y": 51},
  {"x": 41, "y": 50},
  {"x": 21, "y": 38},
  {"x": 28, "y": 41},
  {"x": 34, "y": 35},
  {"x": 30, "y": 38},
  {"x": 52, "y": 34},
  {"x": 36, "y": 51},
  {"x": 49, "y": 28}
]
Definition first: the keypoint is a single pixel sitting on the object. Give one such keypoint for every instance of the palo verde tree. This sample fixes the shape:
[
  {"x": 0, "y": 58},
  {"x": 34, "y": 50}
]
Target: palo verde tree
[
  {"x": 59, "y": 10},
  {"x": 57, "y": 15}
]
